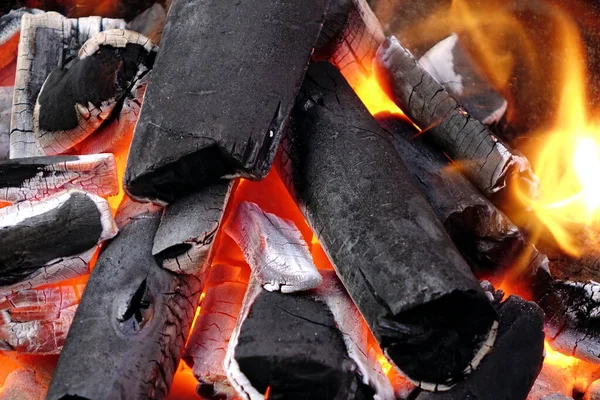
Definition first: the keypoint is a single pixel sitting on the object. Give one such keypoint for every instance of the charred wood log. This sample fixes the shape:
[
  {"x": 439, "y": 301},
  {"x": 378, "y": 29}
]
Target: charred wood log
[
  {"x": 240, "y": 103},
  {"x": 78, "y": 97},
  {"x": 37, "y": 321},
  {"x": 487, "y": 239},
  {"x": 48, "y": 40},
  {"x": 208, "y": 341},
  {"x": 414, "y": 289},
  {"x": 483, "y": 158},
  {"x": 38, "y": 177},
  {"x": 132, "y": 323},
  {"x": 509, "y": 371},
  {"x": 53, "y": 239},
  {"x": 188, "y": 228},
  {"x": 290, "y": 345},
  {"x": 274, "y": 249}
]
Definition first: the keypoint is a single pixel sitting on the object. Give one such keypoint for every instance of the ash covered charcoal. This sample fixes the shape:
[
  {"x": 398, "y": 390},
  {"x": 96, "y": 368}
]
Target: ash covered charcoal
[
  {"x": 36, "y": 321},
  {"x": 48, "y": 40},
  {"x": 208, "y": 341},
  {"x": 38, "y": 177},
  {"x": 23, "y": 384},
  {"x": 482, "y": 157},
  {"x": 274, "y": 249},
  {"x": 237, "y": 72},
  {"x": 6, "y": 100},
  {"x": 450, "y": 65},
  {"x": 188, "y": 227},
  {"x": 52, "y": 239},
  {"x": 10, "y": 27},
  {"x": 151, "y": 22},
  {"x": 130, "y": 210},
  {"x": 416, "y": 292},
  {"x": 487, "y": 239},
  {"x": 290, "y": 345},
  {"x": 79, "y": 95},
  {"x": 131, "y": 324}
]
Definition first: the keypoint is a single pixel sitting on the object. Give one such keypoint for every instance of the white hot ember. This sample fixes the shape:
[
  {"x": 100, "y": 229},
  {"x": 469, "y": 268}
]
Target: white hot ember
[{"x": 278, "y": 255}]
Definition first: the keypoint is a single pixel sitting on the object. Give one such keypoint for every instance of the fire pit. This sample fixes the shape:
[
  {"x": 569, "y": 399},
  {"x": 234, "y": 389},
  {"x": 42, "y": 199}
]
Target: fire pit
[{"x": 332, "y": 199}]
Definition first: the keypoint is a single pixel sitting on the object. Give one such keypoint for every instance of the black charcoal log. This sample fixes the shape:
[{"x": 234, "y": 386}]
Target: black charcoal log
[
  {"x": 408, "y": 280},
  {"x": 48, "y": 40},
  {"x": 38, "y": 177},
  {"x": 51, "y": 240},
  {"x": 487, "y": 239},
  {"x": 131, "y": 325},
  {"x": 290, "y": 346},
  {"x": 188, "y": 228},
  {"x": 80, "y": 95},
  {"x": 482, "y": 157},
  {"x": 222, "y": 89},
  {"x": 450, "y": 65},
  {"x": 509, "y": 371},
  {"x": 274, "y": 248}
]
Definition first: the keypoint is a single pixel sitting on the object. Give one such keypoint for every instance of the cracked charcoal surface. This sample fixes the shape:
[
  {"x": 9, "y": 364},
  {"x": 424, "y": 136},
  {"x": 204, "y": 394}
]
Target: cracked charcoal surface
[
  {"x": 238, "y": 71},
  {"x": 123, "y": 324},
  {"x": 384, "y": 240}
]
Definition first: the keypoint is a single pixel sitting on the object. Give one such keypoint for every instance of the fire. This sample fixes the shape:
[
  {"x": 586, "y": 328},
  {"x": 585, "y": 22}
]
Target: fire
[{"x": 373, "y": 97}]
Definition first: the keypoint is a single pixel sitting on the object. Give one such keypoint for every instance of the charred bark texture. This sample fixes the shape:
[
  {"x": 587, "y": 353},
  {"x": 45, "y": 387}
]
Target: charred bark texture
[
  {"x": 238, "y": 69},
  {"x": 482, "y": 157},
  {"x": 131, "y": 325},
  {"x": 188, "y": 228},
  {"x": 487, "y": 239},
  {"x": 408, "y": 280}
]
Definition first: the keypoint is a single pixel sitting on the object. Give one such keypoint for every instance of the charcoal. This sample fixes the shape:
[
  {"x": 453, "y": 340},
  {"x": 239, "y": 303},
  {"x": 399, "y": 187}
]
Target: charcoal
[
  {"x": 593, "y": 391},
  {"x": 131, "y": 324},
  {"x": 130, "y": 210},
  {"x": 410, "y": 283},
  {"x": 23, "y": 384},
  {"x": 6, "y": 100},
  {"x": 37, "y": 177},
  {"x": 236, "y": 70},
  {"x": 274, "y": 249},
  {"x": 483, "y": 158},
  {"x": 487, "y": 239},
  {"x": 79, "y": 96},
  {"x": 52, "y": 239},
  {"x": 188, "y": 228},
  {"x": 151, "y": 22}
]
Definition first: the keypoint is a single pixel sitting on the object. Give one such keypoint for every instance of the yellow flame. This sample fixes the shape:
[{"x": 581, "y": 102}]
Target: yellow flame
[{"x": 372, "y": 96}]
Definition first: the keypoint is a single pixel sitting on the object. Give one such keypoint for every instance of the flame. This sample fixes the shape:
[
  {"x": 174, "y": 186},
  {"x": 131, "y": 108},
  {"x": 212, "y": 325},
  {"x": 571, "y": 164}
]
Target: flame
[
  {"x": 575, "y": 375},
  {"x": 373, "y": 97}
]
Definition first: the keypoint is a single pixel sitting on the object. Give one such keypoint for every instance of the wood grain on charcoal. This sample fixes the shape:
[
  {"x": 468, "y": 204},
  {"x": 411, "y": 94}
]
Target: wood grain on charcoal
[
  {"x": 222, "y": 89},
  {"x": 131, "y": 325},
  {"x": 408, "y": 280}
]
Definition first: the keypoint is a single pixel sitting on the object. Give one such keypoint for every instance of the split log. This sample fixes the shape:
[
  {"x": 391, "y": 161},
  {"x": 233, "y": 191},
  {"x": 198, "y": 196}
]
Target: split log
[
  {"x": 51, "y": 240},
  {"x": 38, "y": 177},
  {"x": 78, "y": 97},
  {"x": 487, "y": 239},
  {"x": 6, "y": 100},
  {"x": 482, "y": 157},
  {"x": 48, "y": 40},
  {"x": 450, "y": 65},
  {"x": 188, "y": 228},
  {"x": 239, "y": 71},
  {"x": 37, "y": 321},
  {"x": 416, "y": 292},
  {"x": 274, "y": 249},
  {"x": 509, "y": 371},
  {"x": 131, "y": 325},
  {"x": 290, "y": 346},
  {"x": 207, "y": 344}
]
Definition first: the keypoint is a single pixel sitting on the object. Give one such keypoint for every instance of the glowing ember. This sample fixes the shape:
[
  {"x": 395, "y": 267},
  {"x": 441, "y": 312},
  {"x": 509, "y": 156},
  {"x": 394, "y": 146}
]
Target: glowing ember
[{"x": 373, "y": 97}]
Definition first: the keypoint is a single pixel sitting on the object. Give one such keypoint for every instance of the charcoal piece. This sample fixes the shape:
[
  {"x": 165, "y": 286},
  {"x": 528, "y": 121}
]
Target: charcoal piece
[
  {"x": 10, "y": 26},
  {"x": 416, "y": 292},
  {"x": 208, "y": 341},
  {"x": 23, "y": 384},
  {"x": 130, "y": 210},
  {"x": 131, "y": 323},
  {"x": 509, "y": 371},
  {"x": 48, "y": 40},
  {"x": 37, "y": 321},
  {"x": 482, "y": 157},
  {"x": 188, "y": 227},
  {"x": 38, "y": 177},
  {"x": 151, "y": 22},
  {"x": 593, "y": 391},
  {"x": 6, "y": 100},
  {"x": 450, "y": 65},
  {"x": 274, "y": 248},
  {"x": 78, "y": 96},
  {"x": 290, "y": 344},
  {"x": 487, "y": 239},
  {"x": 50, "y": 237},
  {"x": 237, "y": 72}
]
